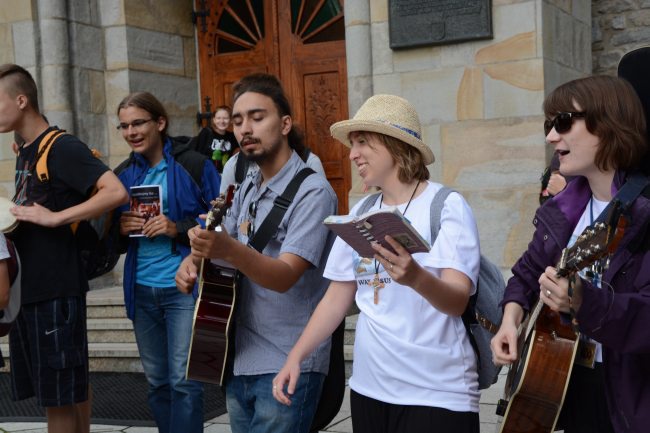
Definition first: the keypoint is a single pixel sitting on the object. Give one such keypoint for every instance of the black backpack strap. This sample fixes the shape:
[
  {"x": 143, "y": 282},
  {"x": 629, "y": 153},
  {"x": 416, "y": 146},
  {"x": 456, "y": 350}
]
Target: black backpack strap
[
  {"x": 280, "y": 205},
  {"x": 305, "y": 154},
  {"x": 241, "y": 168}
]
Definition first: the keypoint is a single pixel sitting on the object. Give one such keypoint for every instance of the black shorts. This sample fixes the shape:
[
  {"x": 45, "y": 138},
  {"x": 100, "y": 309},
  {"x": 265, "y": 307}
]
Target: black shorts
[
  {"x": 48, "y": 349},
  {"x": 374, "y": 416}
]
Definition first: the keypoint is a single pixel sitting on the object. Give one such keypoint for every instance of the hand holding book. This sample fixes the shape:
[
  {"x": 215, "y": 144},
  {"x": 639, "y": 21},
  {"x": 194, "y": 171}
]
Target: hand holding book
[{"x": 361, "y": 231}]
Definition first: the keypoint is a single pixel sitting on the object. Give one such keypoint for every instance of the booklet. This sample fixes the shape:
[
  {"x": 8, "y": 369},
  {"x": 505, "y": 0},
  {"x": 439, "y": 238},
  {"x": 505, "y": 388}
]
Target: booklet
[
  {"x": 146, "y": 199},
  {"x": 360, "y": 231}
]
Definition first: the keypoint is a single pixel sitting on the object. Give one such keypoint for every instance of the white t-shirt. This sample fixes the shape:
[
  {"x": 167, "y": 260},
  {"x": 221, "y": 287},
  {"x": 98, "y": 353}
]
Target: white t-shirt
[
  {"x": 406, "y": 352},
  {"x": 590, "y": 214}
]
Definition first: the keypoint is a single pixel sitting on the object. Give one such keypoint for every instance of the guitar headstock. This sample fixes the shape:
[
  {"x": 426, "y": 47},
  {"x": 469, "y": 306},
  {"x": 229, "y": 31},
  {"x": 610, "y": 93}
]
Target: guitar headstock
[
  {"x": 220, "y": 206},
  {"x": 594, "y": 243}
]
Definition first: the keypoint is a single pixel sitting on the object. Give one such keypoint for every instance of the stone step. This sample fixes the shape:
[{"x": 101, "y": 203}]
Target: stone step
[
  {"x": 111, "y": 340},
  {"x": 106, "y": 303},
  {"x": 124, "y": 357},
  {"x": 350, "y": 327},
  {"x": 110, "y": 330},
  {"x": 120, "y": 357}
]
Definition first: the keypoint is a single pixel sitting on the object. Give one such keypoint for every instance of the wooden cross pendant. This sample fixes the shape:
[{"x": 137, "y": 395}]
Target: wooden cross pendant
[{"x": 377, "y": 285}]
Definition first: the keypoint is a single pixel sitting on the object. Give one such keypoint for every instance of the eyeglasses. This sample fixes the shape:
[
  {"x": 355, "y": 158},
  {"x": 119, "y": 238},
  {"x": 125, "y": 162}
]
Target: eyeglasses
[
  {"x": 136, "y": 124},
  {"x": 562, "y": 122}
]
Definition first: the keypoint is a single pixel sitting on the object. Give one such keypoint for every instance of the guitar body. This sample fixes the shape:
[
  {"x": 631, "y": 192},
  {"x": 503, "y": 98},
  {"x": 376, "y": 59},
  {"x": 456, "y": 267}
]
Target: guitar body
[
  {"x": 538, "y": 383},
  {"x": 212, "y": 328}
]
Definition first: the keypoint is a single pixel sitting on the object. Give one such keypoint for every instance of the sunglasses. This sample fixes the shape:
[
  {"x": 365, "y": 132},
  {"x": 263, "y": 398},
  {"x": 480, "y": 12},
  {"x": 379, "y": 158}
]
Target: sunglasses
[{"x": 562, "y": 122}]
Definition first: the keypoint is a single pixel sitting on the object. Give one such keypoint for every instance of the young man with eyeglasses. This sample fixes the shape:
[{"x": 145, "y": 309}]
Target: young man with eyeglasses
[
  {"x": 282, "y": 285},
  {"x": 48, "y": 341}
]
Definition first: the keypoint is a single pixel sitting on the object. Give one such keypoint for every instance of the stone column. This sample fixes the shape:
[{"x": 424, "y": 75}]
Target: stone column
[
  {"x": 55, "y": 85},
  {"x": 358, "y": 41}
]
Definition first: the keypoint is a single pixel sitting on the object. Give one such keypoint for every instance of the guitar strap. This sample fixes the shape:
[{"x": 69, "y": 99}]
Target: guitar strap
[
  {"x": 633, "y": 187},
  {"x": 280, "y": 205}
]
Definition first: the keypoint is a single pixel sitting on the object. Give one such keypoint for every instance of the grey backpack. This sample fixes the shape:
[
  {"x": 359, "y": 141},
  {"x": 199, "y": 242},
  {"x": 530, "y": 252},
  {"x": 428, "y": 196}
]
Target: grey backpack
[{"x": 483, "y": 314}]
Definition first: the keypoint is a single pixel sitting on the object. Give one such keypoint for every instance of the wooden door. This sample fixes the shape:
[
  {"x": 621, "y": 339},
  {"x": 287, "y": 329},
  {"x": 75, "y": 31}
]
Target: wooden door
[{"x": 301, "y": 42}]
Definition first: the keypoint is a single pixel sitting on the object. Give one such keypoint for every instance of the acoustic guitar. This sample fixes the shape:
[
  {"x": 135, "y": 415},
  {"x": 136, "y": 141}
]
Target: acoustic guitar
[
  {"x": 211, "y": 343},
  {"x": 537, "y": 382}
]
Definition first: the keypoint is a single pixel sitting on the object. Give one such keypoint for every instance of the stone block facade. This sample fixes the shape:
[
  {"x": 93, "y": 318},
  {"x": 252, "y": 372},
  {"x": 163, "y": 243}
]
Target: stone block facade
[
  {"x": 86, "y": 55},
  {"x": 618, "y": 27}
]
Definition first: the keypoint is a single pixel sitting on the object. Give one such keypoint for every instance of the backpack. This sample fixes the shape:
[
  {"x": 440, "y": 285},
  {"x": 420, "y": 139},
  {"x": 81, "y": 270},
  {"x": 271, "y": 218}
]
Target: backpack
[
  {"x": 482, "y": 316},
  {"x": 97, "y": 238}
]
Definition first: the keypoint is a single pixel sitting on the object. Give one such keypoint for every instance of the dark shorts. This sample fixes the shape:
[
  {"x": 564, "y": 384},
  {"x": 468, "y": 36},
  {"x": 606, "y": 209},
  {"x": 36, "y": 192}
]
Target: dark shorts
[
  {"x": 374, "y": 416},
  {"x": 48, "y": 349}
]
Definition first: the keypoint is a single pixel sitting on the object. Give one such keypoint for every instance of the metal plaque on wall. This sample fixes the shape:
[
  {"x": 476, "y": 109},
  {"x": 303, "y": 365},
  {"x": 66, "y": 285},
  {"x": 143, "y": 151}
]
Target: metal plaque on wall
[{"x": 415, "y": 23}]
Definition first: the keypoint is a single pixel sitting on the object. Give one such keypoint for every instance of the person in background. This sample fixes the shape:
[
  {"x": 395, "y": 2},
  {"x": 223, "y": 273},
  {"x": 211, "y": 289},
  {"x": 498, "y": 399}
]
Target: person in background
[
  {"x": 216, "y": 141},
  {"x": 597, "y": 128},
  {"x": 553, "y": 182},
  {"x": 282, "y": 283},
  {"x": 162, "y": 317},
  {"x": 48, "y": 342},
  {"x": 414, "y": 367}
]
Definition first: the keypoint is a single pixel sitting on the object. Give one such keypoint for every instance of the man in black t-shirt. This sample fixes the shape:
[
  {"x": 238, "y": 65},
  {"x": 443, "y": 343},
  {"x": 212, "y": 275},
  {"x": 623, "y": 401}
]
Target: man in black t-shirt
[{"x": 48, "y": 342}]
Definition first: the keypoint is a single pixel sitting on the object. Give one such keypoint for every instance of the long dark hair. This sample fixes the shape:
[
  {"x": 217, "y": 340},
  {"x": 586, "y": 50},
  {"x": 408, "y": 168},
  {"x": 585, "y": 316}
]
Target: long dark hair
[{"x": 268, "y": 85}]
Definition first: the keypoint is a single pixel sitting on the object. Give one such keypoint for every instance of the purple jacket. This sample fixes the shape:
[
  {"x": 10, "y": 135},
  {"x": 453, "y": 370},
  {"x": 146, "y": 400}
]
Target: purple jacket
[{"x": 620, "y": 321}]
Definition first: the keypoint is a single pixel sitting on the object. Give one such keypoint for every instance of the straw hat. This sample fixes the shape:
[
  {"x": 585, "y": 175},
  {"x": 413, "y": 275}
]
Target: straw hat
[{"x": 389, "y": 115}]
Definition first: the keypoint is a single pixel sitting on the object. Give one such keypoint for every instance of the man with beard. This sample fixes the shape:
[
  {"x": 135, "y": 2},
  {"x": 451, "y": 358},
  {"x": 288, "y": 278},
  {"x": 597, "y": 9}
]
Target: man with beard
[{"x": 283, "y": 283}]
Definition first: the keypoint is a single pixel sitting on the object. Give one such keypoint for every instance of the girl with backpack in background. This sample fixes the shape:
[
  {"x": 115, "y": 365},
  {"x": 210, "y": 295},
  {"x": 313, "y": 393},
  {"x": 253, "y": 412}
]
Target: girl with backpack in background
[
  {"x": 216, "y": 141},
  {"x": 162, "y": 316},
  {"x": 414, "y": 366}
]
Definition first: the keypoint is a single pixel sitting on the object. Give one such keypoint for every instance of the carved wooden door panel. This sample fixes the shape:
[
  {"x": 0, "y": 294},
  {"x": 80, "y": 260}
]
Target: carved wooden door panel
[{"x": 300, "y": 41}]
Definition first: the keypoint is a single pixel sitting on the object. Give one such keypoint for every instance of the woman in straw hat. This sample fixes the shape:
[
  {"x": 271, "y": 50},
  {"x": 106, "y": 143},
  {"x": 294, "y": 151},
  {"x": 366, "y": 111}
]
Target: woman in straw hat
[{"x": 414, "y": 368}]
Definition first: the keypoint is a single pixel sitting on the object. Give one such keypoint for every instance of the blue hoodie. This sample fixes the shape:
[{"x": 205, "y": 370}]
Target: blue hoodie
[{"x": 187, "y": 200}]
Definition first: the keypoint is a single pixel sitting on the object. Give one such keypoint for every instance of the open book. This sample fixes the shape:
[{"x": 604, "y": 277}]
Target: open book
[{"x": 361, "y": 231}]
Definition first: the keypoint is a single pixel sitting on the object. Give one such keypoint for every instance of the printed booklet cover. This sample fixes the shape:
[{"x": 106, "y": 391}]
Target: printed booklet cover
[{"x": 147, "y": 200}]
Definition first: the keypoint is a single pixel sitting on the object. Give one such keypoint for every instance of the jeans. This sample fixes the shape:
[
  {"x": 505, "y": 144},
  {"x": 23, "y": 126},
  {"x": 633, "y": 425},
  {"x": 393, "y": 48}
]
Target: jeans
[
  {"x": 163, "y": 328},
  {"x": 252, "y": 408}
]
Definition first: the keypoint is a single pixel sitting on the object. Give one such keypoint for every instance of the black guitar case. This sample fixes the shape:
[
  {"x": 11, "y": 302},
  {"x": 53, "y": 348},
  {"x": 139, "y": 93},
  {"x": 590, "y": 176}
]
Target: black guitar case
[{"x": 635, "y": 68}]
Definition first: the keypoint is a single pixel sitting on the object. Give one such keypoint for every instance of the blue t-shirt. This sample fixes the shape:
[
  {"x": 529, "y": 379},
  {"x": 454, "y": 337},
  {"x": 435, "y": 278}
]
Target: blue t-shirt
[{"x": 156, "y": 262}]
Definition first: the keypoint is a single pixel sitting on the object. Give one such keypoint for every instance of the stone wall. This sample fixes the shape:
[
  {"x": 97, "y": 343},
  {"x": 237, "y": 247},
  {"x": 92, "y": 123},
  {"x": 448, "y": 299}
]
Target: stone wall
[
  {"x": 618, "y": 27},
  {"x": 86, "y": 55},
  {"x": 150, "y": 47}
]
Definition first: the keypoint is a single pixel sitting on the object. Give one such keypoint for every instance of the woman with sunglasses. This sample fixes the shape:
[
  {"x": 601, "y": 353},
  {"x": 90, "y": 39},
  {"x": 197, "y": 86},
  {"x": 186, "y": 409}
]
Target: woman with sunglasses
[
  {"x": 597, "y": 128},
  {"x": 162, "y": 316},
  {"x": 414, "y": 367}
]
